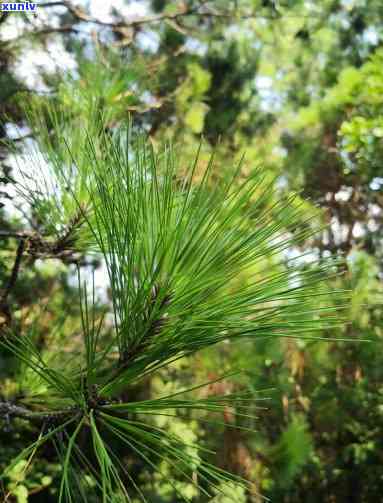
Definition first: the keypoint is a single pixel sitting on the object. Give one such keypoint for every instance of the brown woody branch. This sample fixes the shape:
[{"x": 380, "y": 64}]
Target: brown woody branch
[
  {"x": 203, "y": 10},
  {"x": 4, "y": 17},
  {"x": 36, "y": 246},
  {"x": 15, "y": 271},
  {"x": 14, "y": 234},
  {"x": 67, "y": 28},
  {"x": 10, "y": 410},
  {"x": 81, "y": 16},
  {"x": 47, "y": 30}
]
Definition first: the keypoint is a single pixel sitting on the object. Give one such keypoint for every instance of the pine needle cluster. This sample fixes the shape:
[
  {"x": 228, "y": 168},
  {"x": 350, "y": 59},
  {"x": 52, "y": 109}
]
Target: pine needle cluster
[{"x": 190, "y": 264}]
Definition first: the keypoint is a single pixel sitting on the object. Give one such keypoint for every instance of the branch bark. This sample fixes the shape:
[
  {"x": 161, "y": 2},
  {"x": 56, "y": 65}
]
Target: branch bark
[
  {"x": 9, "y": 410},
  {"x": 15, "y": 271},
  {"x": 208, "y": 12}
]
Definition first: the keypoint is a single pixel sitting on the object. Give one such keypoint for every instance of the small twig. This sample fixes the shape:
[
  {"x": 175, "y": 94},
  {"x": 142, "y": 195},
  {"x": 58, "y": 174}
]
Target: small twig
[
  {"x": 4, "y": 17},
  {"x": 202, "y": 11},
  {"x": 14, "y": 234},
  {"x": 47, "y": 30},
  {"x": 14, "y": 273},
  {"x": 10, "y": 409},
  {"x": 24, "y": 137},
  {"x": 38, "y": 246},
  {"x": 208, "y": 12}
]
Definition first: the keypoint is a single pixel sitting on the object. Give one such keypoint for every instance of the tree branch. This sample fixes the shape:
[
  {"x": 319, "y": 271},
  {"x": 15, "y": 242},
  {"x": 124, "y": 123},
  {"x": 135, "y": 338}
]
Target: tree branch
[
  {"x": 10, "y": 410},
  {"x": 38, "y": 246},
  {"x": 203, "y": 10},
  {"x": 15, "y": 271},
  {"x": 14, "y": 234},
  {"x": 68, "y": 28},
  {"x": 81, "y": 16},
  {"x": 4, "y": 17}
]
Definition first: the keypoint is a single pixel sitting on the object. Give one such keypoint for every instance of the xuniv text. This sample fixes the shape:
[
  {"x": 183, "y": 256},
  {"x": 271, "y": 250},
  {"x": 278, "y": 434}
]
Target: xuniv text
[{"x": 27, "y": 6}]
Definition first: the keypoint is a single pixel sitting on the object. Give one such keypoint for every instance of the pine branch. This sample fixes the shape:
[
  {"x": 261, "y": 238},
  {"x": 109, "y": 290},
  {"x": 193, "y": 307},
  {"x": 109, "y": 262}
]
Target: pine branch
[
  {"x": 190, "y": 245},
  {"x": 9, "y": 410}
]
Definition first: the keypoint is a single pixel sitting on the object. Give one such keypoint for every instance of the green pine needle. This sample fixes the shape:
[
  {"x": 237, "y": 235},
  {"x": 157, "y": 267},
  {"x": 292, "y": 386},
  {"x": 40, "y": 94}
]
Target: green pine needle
[{"x": 191, "y": 264}]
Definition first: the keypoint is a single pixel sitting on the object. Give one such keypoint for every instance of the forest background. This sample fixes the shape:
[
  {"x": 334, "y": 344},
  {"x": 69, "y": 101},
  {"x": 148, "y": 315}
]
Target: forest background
[{"x": 297, "y": 88}]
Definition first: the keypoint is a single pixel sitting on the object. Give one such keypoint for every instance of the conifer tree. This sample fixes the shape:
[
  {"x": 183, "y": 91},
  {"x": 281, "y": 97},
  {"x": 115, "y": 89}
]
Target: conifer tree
[{"x": 176, "y": 243}]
